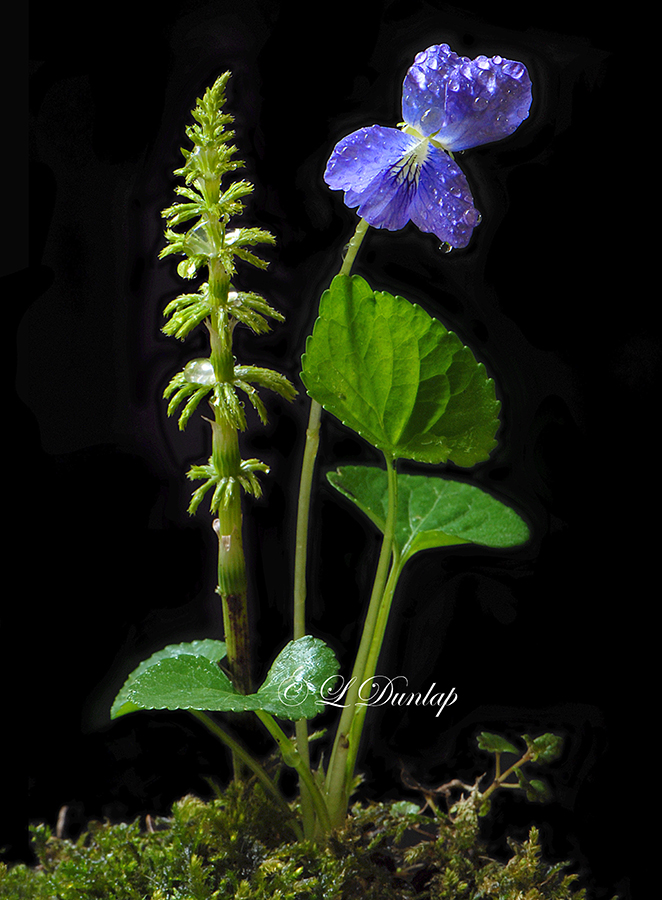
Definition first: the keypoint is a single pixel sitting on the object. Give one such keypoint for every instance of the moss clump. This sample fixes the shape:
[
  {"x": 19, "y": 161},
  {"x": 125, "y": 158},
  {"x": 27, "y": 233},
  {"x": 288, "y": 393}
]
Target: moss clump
[{"x": 238, "y": 847}]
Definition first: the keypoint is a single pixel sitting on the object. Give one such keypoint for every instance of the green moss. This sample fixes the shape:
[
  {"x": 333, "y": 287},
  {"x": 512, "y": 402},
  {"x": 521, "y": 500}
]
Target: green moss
[{"x": 238, "y": 847}]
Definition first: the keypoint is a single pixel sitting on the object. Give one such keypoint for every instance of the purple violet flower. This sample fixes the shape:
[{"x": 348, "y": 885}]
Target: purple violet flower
[{"x": 449, "y": 103}]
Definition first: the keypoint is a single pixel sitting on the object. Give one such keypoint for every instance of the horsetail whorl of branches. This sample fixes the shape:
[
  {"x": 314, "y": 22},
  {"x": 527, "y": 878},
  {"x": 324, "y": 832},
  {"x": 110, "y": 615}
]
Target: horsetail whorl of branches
[{"x": 209, "y": 242}]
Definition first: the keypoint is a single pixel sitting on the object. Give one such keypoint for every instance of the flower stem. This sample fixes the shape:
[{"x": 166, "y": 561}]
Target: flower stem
[
  {"x": 303, "y": 513},
  {"x": 308, "y": 468},
  {"x": 353, "y": 247},
  {"x": 301, "y": 547}
]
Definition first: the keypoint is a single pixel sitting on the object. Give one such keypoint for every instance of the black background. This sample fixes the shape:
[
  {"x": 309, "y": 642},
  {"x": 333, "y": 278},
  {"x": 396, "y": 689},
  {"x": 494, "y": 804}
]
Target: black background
[{"x": 540, "y": 638}]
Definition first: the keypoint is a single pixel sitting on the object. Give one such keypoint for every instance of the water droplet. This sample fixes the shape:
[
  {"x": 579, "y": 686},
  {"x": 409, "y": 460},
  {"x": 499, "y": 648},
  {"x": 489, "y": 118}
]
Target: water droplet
[
  {"x": 471, "y": 217},
  {"x": 514, "y": 69},
  {"x": 199, "y": 371},
  {"x": 445, "y": 247},
  {"x": 187, "y": 268},
  {"x": 431, "y": 120}
]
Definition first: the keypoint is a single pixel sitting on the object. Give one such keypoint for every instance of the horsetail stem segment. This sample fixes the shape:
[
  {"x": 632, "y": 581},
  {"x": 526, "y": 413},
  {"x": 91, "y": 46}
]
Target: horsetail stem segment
[{"x": 208, "y": 206}]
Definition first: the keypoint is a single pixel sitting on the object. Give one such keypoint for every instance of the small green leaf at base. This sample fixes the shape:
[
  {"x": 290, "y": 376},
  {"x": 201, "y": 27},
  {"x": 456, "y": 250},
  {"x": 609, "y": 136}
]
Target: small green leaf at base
[
  {"x": 209, "y": 649},
  {"x": 187, "y": 676}
]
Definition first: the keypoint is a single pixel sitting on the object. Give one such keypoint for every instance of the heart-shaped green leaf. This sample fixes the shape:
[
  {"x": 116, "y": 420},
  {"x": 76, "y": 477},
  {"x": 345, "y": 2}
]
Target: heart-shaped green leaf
[
  {"x": 432, "y": 511},
  {"x": 184, "y": 680},
  {"x": 396, "y": 376}
]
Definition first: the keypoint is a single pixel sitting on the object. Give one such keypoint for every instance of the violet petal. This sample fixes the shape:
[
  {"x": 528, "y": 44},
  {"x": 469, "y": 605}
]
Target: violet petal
[{"x": 465, "y": 102}]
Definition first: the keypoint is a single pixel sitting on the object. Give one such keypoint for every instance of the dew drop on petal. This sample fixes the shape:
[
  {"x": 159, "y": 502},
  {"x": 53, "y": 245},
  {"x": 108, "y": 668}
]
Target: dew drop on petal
[
  {"x": 514, "y": 69},
  {"x": 431, "y": 119},
  {"x": 199, "y": 371},
  {"x": 471, "y": 216},
  {"x": 445, "y": 247}
]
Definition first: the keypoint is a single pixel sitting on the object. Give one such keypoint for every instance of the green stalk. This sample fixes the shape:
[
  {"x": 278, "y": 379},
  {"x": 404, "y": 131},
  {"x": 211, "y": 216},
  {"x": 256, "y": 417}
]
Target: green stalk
[
  {"x": 308, "y": 468},
  {"x": 232, "y": 581},
  {"x": 291, "y": 757},
  {"x": 353, "y": 247},
  {"x": 340, "y": 774},
  {"x": 251, "y": 763},
  {"x": 500, "y": 778},
  {"x": 301, "y": 546},
  {"x": 356, "y": 726},
  {"x": 209, "y": 207},
  {"x": 303, "y": 513}
]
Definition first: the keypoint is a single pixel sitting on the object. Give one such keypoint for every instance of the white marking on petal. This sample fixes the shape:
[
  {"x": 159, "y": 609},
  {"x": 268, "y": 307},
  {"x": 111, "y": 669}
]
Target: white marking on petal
[{"x": 407, "y": 169}]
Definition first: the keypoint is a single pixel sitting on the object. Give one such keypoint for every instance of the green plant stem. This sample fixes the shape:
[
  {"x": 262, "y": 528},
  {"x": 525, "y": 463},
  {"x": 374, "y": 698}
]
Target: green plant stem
[
  {"x": 308, "y": 469},
  {"x": 353, "y": 247},
  {"x": 301, "y": 546},
  {"x": 340, "y": 773},
  {"x": 226, "y": 459},
  {"x": 240, "y": 753},
  {"x": 232, "y": 581},
  {"x": 233, "y": 593},
  {"x": 299, "y": 630},
  {"x": 356, "y": 727},
  {"x": 500, "y": 779},
  {"x": 291, "y": 757},
  {"x": 303, "y": 513},
  {"x": 307, "y": 805}
]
